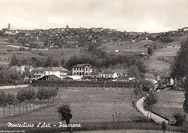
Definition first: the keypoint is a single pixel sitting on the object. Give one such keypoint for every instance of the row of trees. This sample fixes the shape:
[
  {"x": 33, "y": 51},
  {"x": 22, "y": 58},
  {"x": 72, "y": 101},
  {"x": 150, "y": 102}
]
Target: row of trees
[
  {"x": 49, "y": 62},
  {"x": 7, "y": 99},
  {"x": 25, "y": 97}
]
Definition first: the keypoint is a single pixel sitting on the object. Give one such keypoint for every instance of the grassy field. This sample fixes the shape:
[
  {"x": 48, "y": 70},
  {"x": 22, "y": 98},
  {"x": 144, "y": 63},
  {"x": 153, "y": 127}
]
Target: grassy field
[
  {"x": 60, "y": 54},
  {"x": 161, "y": 60},
  {"x": 169, "y": 103},
  {"x": 166, "y": 52},
  {"x": 7, "y": 51},
  {"x": 157, "y": 66},
  {"x": 87, "y": 106},
  {"x": 136, "y": 47}
]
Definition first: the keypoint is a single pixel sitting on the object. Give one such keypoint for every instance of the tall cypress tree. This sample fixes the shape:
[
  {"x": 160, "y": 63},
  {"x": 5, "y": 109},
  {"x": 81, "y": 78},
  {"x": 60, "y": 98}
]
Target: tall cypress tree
[
  {"x": 185, "y": 104},
  {"x": 179, "y": 69},
  {"x": 13, "y": 61}
]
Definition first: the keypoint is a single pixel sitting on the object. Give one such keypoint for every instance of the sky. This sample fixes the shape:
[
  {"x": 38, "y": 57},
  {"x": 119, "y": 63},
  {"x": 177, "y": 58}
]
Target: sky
[{"x": 123, "y": 15}]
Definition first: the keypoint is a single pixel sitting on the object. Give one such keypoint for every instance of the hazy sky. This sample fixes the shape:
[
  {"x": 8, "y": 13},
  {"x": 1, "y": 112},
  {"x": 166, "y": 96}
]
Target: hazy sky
[{"x": 129, "y": 15}]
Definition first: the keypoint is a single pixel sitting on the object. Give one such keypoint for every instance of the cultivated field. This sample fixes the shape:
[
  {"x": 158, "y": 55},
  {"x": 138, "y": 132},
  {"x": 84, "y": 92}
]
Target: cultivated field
[{"x": 87, "y": 106}]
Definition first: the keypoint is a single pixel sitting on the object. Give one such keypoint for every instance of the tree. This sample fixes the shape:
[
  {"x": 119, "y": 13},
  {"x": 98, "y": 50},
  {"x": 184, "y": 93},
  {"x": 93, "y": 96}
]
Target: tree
[
  {"x": 21, "y": 97},
  {"x": 14, "y": 61},
  {"x": 179, "y": 119},
  {"x": 25, "y": 95},
  {"x": 133, "y": 71},
  {"x": 65, "y": 112},
  {"x": 13, "y": 75},
  {"x": 48, "y": 62},
  {"x": 39, "y": 94},
  {"x": 149, "y": 101},
  {"x": 46, "y": 93},
  {"x": 185, "y": 104},
  {"x": 30, "y": 95},
  {"x": 62, "y": 62},
  {"x": 179, "y": 68},
  {"x": 10, "y": 100},
  {"x": 55, "y": 63},
  {"x": 150, "y": 50},
  {"x": 137, "y": 91},
  {"x": 4, "y": 78},
  {"x": 3, "y": 101}
]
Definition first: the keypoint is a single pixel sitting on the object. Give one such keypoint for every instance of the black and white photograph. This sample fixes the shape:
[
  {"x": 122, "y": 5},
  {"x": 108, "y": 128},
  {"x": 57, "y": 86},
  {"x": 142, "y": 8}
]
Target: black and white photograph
[{"x": 94, "y": 66}]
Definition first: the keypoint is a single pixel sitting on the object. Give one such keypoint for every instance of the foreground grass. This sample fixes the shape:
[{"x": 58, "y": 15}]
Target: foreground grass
[
  {"x": 169, "y": 103},
  {"x": 87, "y": 106},
  {"x": 93, "y": 109}
]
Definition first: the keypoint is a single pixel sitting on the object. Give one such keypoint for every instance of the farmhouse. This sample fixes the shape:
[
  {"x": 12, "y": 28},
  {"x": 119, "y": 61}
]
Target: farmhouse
[
  {"x": 82, "y": 69},
  {"x": 39, "y": 72}
]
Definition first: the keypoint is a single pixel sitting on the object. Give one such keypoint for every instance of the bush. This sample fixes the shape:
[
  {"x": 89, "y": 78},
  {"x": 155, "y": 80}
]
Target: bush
[
  {"x": 149, "y": 101},
  {"x": 179, "y": 119}
]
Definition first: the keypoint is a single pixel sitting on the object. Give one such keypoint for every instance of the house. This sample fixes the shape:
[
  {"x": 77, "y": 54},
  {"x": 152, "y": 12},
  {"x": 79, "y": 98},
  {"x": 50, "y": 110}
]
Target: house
[
  {"x": 39, "y": 72},
  {"x": 99, "y": 29},
  {"x": 112, "y": 75},
  {"x": 82, "y": 69},
  {"x": 185, "y": 29}
]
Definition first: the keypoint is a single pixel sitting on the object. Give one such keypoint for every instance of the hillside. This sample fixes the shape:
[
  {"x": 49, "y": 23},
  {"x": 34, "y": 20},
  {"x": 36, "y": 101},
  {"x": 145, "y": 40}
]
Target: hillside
[{"x": 165, "y": 46}]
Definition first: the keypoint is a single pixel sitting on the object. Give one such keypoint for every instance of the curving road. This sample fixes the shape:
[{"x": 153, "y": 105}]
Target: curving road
[{"x": 154, "y": 117}]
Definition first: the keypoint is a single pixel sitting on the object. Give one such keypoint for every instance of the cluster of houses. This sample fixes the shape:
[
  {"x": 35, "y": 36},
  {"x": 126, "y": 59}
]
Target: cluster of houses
[
  {"x": 71, "y": 37},
  {"x": 77, "y": 37},
  {"x": 78, "y": 72}
]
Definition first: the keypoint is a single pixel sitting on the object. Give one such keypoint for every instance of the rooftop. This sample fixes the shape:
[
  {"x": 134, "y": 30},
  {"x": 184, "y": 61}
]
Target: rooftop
[
  {"x": 49, "y": 69},
  {"x": 81, "y": 65}
]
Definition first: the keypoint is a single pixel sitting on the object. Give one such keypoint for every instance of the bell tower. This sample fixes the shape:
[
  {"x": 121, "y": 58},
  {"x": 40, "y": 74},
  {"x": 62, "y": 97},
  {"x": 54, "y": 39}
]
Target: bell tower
[{"x": 8, "y": 26}]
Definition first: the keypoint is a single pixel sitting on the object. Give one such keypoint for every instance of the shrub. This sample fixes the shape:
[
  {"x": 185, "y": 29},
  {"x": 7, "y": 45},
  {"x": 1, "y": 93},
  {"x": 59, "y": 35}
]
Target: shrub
[{"x": 179, "y": 119}]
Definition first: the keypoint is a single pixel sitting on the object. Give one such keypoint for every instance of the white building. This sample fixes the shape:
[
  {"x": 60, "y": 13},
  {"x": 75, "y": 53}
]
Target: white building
[
  {"x": 112, "y": 75},
  {"x": 82, "y": 69},
  {"x": 39, "y": 72}
]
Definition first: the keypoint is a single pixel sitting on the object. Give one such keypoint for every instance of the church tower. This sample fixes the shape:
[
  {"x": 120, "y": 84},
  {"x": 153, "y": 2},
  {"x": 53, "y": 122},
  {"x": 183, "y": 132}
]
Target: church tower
[{"x": 8, "y": 26}]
